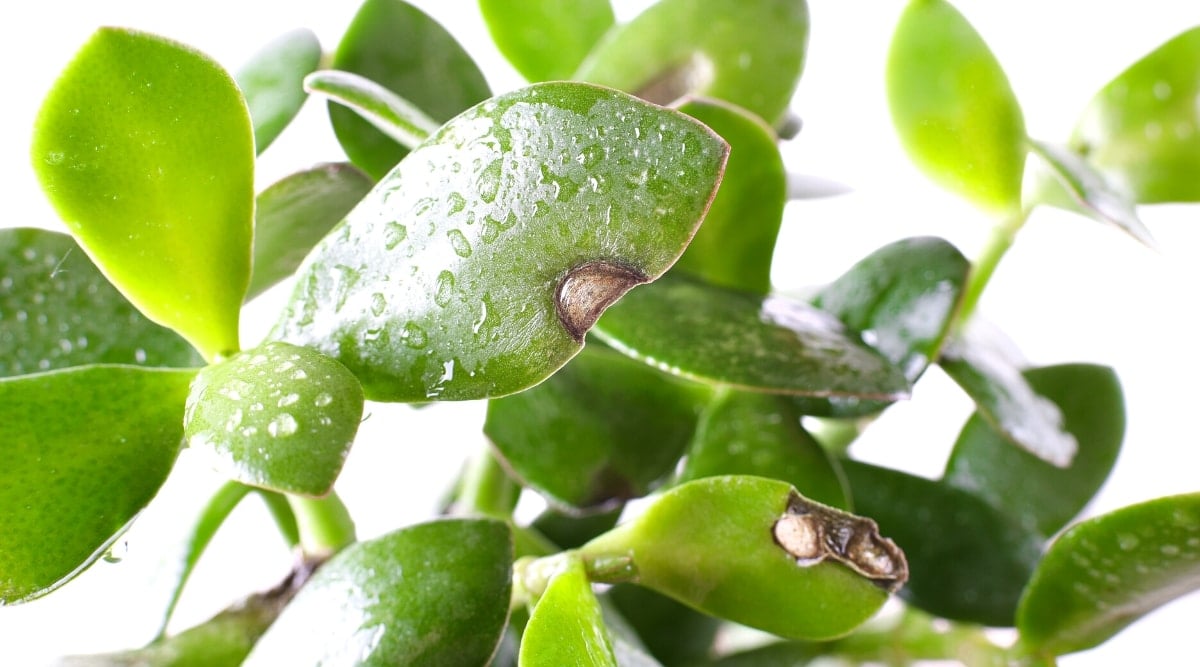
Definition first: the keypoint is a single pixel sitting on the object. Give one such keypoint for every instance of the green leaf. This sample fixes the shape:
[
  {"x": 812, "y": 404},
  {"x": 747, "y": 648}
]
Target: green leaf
[
  {"x": 566, "y": 627},
  {"x": 388, "y": 112},
  {"x": 1142, "y": 129},
  {"x": 753, "y": 551},
  {"x": 145, "y": 149},
  {"x": 399, "y": 47},
  {"x": 436, "y": 593},
  {"x": 58, "y": 311},
  {"x": 748, "y": 52},
  {"x": 279, "y": 417},
  {"x": 967, "y": 560},
  {"x": 292, "y": 215},
  {"x": 759, "y": 434},
  {"x": 272, "y": 82},
  {"x": 1039, "y": 495},
  {"x": 569, "y": 531},
  {"x": 545, "y": 40},
  {"x": 736, "y": 243},
  {"x": 84, "y": 450},
  {"x": 600, "y": 431},
  {"x": 672, "y": 632},
  {"x": 953, "y": 108},
  {"x": 773, "y": 344},
  {"x": 1107, "y": 572},
  {"x": 476, "y": 268}
]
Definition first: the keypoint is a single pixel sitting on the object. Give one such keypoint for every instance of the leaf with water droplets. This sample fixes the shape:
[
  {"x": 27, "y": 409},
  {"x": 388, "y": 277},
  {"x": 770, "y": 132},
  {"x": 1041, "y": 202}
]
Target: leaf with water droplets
[
  {"x": 57, "y": 311},
  {"x": 953, "y": 107},
  {"x": 545, "y": 40},
  {"x": 272, "y": 83},
  {"x": 567, "y": 627},
  {"x": 748, "y": 52},
  {"x": 144, "y": 147},
  {"x": 476, "y": 267},
  {"x": 84, "y": 450},
  {"x": 1142, "y": 129},
  {"x": 393, "y": 44},
  {"x": 1107, "y": 572},
  {"x": 279, "y": 417},
  {"x": 1041, "y": 496},
  {"x": 435, "y": 593}
]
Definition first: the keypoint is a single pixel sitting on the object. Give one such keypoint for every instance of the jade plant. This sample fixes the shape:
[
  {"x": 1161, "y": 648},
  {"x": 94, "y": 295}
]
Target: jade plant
[{"x": 590, "y": 254}]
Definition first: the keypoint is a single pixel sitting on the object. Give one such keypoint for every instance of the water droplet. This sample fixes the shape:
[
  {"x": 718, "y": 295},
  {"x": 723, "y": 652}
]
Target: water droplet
[
  {"x": 249, "y": 431},
  {"x": 457, "y": 203},
  {"x": 458, "y": 241},
  {"x": 478, "y": 324},
  {"x": 299, "y": 374},
  {"x": 234, "y": 421},
  {"x": 488, "y": 184},
  {"x": 283, "y": 425},
  {"x": 256, "y": 407},
  {"x": 139, "y": 355},
  {"x": 378, "y": 304},
  {"x": 55, "y": 157},
  {"x": 1127, "y": 542},
  {"x": 394, "y": 234},
  {"x": 414, "y": 336},
  {"x": 290, "y": 399},
  {"x": 445, "y": 289},
  {"x": 322, "y": 400},
  {"x": 1169, "y": 550},
  {"x": 1162, "y": 90}
]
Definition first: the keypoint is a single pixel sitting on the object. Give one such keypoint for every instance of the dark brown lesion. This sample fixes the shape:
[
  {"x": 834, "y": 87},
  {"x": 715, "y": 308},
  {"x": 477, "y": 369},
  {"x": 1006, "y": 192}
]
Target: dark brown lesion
[{"x": 587, "y": 290}]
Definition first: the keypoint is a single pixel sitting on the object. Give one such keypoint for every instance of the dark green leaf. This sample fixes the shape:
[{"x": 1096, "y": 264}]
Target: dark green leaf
[
  {"x": 748, "y": 52},
  {"x": 1041, "y": 496},
  {"x": 566, "y": 627},
  {"x": 773, "y": 344},
  {"x": 295, "y": 213},
  {"x": 477, "y": 267},
  {"x": 953, "y": 108},
  {"x": 57, "y": 310},
  {"x": 673, "y": 633},
  {"x": 84, "y": 450},
  {"x": 388, "y": 112},
  {"x": 279, "y": 417},
  {"x": 435, "y": 593},
  {"x": 569, "y": 531},
  {"x": 397, "y": 46},
  {"x": 967, "y": 561},
  {"x": 546, "y": 40},
  {"x": 145, "y": 149},
  {"x": 272, "y": 83}
]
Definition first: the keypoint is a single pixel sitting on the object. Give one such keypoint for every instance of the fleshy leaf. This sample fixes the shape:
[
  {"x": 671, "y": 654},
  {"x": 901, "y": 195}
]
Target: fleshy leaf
[
  {"x": 145, "y": 149},
  {"x": 566, "y": 627},
  {"x": 272, "y": 82},
  {"x": 735, "y": 245},
  {"x": 753, "y": 551},
  {"x": 545, "y": 40},
  {"x": 672, "y": 632},
  {"x": 1109, "y": 571},
  {"x": 388, "y": 112},
  {"x": 967, "y": 561},
  {"x": 748, "y": 52},
  {"x": 772, "y": 344},
  {"x": 1143, "y": 128},
  {"x": 478, "y": 265},
  {"x": 57, "y": 311},
  {"x": 598, "y": 432},
  {"x": 292, "y": 215},
  {"x": 84, "y": 450},
  {"x": 1040, "y": 495},
  {"x": 953, "y": 107},
  {"x": 395, "y": 44},
  {"x": 279, "y": 417},
  {"x": 436, "y": 593}
]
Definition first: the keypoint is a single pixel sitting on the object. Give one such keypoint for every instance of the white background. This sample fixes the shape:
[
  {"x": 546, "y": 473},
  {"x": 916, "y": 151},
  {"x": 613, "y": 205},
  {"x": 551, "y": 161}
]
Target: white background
[{"x": 1071, "y": 290}]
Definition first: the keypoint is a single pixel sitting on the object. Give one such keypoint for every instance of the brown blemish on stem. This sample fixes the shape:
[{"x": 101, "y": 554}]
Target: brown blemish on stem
[{"x": 586, "y": 290}]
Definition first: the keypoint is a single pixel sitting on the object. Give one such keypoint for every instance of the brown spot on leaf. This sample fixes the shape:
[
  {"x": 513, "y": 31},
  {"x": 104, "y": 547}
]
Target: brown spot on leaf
[{"x": 586, "y": 290}]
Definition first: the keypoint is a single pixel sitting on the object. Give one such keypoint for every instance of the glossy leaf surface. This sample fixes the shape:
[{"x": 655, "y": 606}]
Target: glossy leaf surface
[
  {"x": 84, "y": 450},
  {"x": 671, "y": 632},
  {"x": 436, "y": 593},
  {"x": 1143, "y": 128},
  {"x": 736, "y": 243},
  {"x": 279, "y": 417},
  {"x": 600, "y": 431},
  {"x": 771, "y": 344},
  {"x": 953, "y": 108},
  {"x": 389, "y": 113},
  {"x": 967, "y": 561},
  {"x": 1107, "y": 572},
  {"x": 710, "y": 544},
  {"x": 1042, "y": 496},
  {"x": 748, "y": 52},
  {"x": 566, "y": 627},
  {"x": 272, "y": 82},
  {"x": 292, "y": 215},
  {"x": 395, "y": 44},
  {"x": 57, "y": 310},
  {"x": 546, "y": 40},
  {"x": 476, "y": 268},
  {"x": 145, "y": 149}
]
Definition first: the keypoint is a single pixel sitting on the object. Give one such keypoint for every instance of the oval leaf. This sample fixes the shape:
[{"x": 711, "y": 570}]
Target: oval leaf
[
  {"x": 546, "y": 40},
  {"x": 393, "y": 44},
  {"x": 673, "y": 633},
  {"x": 388, "y": 112},
  {"x": 272, "y": 82},
  {"x": 953, "y": 108},
  {"x": 566, "y": 627},
  {"x": 748, "y": 52},
  {"x": 436, "y": 593},
  {"x": 476, "y": 268},
  {"x": 145, "y": 149},
  {"x": 84, "y": 450},
  {"x": 58, "y": 311},
  {"x": 279, "y": 417}
]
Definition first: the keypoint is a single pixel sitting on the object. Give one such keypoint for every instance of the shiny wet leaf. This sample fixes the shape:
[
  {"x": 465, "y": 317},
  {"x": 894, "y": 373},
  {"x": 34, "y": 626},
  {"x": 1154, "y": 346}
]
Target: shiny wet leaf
[
  {"x": 567, "y": 627},
  {"x": 272, "y": 83},
  {"x": 545, "y": 40}
]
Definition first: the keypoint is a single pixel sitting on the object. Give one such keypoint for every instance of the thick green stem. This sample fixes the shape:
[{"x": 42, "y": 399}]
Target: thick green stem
[
  {"x": 486, "y": 487},
  {"x": 1003, "y": 235},
  {"x": 325, "y": 525},
  {"x": 285, "y": 519}
]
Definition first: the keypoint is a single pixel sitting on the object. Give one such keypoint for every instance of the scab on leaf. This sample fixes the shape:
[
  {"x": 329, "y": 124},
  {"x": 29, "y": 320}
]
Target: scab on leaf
[{"x": 586, "y": 290}]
